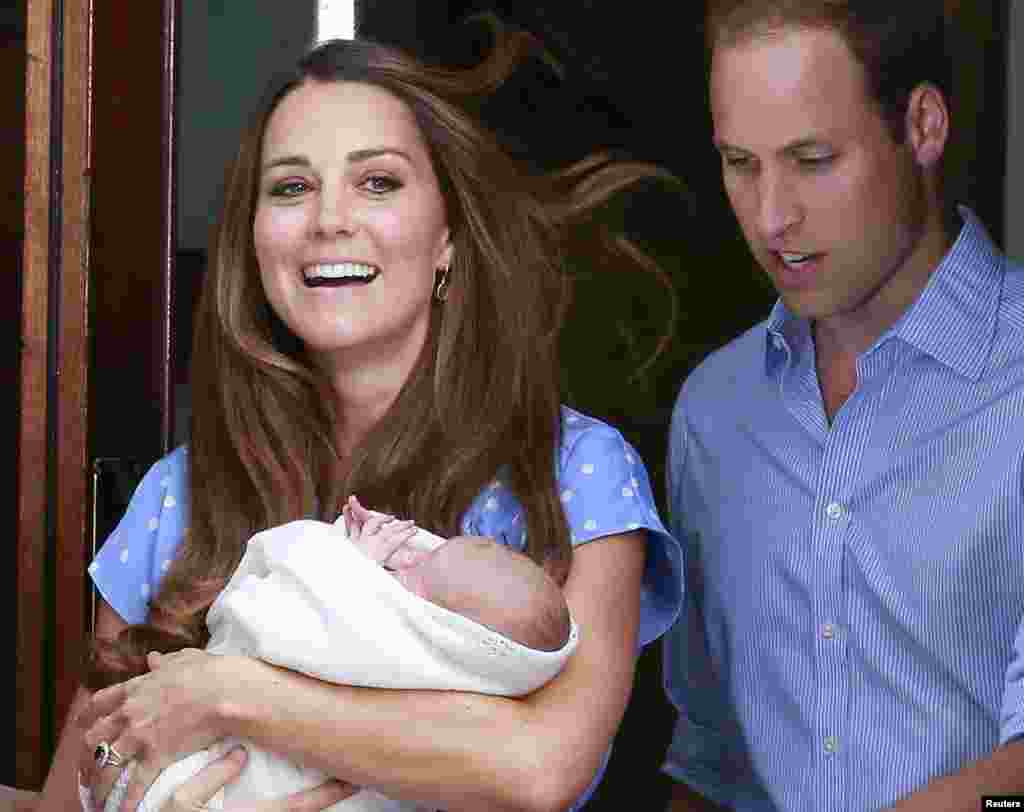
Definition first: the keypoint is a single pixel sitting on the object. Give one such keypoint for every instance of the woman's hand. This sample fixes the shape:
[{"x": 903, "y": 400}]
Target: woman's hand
[
  {"x": 157, "y": 718},
  {"x": 194, "y": 794}
]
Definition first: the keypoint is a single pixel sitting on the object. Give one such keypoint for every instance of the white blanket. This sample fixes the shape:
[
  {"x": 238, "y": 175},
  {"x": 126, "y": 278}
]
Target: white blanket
[{"x": 304, "y": 598}]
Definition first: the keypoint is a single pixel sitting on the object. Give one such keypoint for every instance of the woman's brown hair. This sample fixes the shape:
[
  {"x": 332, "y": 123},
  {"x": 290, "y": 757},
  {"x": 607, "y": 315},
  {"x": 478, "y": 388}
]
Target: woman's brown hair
[{"x": 483, "y": 399}]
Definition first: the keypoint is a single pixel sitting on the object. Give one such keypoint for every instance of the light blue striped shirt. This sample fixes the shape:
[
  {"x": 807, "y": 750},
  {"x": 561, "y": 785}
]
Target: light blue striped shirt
[{"x": 855, "y": 594}]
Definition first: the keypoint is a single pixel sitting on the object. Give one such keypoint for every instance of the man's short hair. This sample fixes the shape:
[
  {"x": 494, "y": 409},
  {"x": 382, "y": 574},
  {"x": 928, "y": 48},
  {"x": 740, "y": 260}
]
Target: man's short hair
[{"x": 899, "y": 44}]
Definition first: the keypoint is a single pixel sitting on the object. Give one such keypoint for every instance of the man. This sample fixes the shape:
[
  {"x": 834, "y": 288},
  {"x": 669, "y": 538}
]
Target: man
[{"x": 847, "y": 476}]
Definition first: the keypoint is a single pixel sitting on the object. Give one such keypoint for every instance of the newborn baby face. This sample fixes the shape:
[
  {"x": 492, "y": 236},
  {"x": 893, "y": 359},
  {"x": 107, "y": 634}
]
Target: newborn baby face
[
  {"x": 462, "y": 565},
  {"x": 495, "y": 586}
]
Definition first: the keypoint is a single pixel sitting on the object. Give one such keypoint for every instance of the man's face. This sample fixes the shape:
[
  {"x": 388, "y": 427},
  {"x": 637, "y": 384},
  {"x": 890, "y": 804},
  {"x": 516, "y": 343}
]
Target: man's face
[{"x": 832, "y": 207}]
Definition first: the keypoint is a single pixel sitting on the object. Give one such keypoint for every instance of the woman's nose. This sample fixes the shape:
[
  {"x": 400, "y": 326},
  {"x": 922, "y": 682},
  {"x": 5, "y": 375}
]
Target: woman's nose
[{"x": 335, "y": 214}]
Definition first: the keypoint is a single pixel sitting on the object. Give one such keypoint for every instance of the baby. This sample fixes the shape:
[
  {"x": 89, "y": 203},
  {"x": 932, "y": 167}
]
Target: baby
[
  {"x": 374, "y": 601},
  {"x": 520, "y": 601}
]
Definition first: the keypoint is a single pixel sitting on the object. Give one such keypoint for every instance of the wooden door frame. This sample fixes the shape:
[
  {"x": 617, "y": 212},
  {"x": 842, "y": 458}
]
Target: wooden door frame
[
  {"x": 52, "y": 438},
  {"x": 66, "y": 315}
]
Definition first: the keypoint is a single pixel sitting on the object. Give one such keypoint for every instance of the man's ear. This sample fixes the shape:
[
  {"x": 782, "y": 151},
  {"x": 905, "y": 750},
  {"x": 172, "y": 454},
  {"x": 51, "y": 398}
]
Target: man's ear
[{"x": 927, "y": 124}]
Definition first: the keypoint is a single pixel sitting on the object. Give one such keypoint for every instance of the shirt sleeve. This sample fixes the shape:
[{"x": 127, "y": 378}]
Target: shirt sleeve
[
  {"x": 1012, "y": 716},
  {"x": 707, "y": 750},
  {"x": 605, "y": 490},
  {"x": 131, "y": 563}
]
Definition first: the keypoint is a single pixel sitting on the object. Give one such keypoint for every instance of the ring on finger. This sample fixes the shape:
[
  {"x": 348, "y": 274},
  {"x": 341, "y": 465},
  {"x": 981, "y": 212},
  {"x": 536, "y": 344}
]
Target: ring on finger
[{"x": 106, "y": 756}]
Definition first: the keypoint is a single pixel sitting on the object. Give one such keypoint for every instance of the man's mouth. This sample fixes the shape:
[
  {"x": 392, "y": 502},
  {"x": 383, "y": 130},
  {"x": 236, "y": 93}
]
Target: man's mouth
[{"x": 338, "y": 274}]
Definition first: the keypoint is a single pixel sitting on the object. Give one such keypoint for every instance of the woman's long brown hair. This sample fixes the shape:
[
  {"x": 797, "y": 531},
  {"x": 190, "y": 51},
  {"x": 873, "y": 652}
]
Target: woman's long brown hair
[{"x": 484, "y": 396}]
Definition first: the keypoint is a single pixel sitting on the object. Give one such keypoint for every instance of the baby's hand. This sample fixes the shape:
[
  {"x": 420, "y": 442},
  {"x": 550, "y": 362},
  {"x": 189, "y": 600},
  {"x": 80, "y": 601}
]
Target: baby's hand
[
  {"x": 411, "y": 551},
  {"x": 376, "y": 535}
]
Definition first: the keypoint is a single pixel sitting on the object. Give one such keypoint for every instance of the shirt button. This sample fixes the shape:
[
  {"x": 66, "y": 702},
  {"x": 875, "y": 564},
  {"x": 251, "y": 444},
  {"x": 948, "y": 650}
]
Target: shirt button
[
  {"x": 834, "y": 510},
  {"x": 831, "y": 744},
  {"x": 828, "y": 631}
]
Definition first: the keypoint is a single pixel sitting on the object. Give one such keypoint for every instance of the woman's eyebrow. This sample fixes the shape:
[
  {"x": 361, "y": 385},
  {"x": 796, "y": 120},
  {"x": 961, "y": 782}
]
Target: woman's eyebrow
[
  {"x": 287, "y": 160},
  {"x": 356, "y": 156},
  {"x": 366, "y": 154}
]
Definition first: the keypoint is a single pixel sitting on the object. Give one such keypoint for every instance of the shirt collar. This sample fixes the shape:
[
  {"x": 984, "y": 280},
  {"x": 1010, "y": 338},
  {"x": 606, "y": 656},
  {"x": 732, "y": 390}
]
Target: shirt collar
[{"x": 954, "y": 318}]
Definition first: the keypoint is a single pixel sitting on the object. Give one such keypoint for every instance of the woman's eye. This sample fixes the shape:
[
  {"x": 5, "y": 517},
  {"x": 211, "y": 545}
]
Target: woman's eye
[
  {"x": 289, "y": 188},
  {"x": 380, "y": 184}
]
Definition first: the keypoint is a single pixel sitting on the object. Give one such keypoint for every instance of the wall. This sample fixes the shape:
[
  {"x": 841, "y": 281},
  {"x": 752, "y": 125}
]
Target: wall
[{"x": 229, "y": 51}]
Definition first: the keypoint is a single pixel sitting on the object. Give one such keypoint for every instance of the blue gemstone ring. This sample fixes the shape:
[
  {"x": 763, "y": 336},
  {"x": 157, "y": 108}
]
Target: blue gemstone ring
[{"x": 107, "y": 756}]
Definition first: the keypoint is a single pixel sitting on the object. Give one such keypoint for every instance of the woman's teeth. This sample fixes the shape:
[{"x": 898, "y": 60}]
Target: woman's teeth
[
  {"x": 339, "y": 273},
  {"x": 795, "y": 260}
]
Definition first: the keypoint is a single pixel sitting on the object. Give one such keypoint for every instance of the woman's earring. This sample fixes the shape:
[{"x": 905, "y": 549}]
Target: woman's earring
[{"x": 441, "y": 291}]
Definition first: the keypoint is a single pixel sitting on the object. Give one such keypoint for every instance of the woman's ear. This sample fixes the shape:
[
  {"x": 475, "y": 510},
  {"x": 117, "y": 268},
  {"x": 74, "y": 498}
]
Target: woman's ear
[{"x": 447, "y": 252}]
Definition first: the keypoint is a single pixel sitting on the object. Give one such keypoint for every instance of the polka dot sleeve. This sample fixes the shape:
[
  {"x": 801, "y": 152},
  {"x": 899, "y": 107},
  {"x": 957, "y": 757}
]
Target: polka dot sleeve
[
  {"x": 605, "y": 491},
  {"x": 129, "y": 566}
]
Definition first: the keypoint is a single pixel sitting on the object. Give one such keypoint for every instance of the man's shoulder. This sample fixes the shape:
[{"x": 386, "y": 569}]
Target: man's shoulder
[{"x": 733, "y": 365}]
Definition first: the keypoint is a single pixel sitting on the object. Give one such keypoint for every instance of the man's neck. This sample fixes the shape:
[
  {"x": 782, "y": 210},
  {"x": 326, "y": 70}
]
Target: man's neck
[{"x": 839, "y": 340}]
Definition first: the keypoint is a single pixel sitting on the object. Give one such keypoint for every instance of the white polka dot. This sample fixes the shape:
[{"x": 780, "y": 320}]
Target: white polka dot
[
  {"x": 165, "y": 565},
  {"x": 145, "y": 591},
  {"x": 124, "y": 556},
  {"x": 590, "y": 524},
  {"x": 170, "y": 501},
  {"x": 572, "y": 419},
  {"x": 93, "y": 568},
  {"x": 491, "y": 504},
  {"x": 495, "y": 484},
  {"x": 629, "y": 458},
  {"x": 568, "y": 494},
  {"x": 587, "y": 468},
  {"x": 627, "y": 492},
  {"x": 632, "y": 526},
  {"x": 165, "y": 483},
  {"x": 572, "y": 538},
  {"x": 636, "y": 483},
  {"x": 153, "y": 524}
]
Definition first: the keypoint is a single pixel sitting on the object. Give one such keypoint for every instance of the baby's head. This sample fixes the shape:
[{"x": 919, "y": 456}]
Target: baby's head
[{"x": 495, "y": 586}]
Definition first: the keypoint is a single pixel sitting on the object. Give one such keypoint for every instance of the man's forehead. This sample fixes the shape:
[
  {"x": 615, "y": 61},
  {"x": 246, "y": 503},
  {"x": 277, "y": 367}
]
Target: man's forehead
[{"x": 786, "y": 91}]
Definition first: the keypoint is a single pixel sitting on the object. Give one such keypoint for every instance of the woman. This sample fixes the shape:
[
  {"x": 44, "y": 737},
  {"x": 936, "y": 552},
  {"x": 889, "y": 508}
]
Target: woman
[{"x": 381, "y": 317}]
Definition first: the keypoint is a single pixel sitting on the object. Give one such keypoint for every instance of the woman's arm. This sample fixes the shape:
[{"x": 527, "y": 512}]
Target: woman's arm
[{"x": 455, "y": 750}]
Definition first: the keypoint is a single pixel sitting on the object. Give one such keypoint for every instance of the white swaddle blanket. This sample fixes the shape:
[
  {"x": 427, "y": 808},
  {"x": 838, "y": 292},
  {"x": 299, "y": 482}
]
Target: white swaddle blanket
[{"x": 304, "y": 598}]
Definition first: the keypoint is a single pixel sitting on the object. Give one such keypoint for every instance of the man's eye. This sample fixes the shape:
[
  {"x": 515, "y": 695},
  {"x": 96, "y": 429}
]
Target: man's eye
[
  {"x": 289, "y": 188},
  {"x": 816, "y": 161},
  {"x": 738, "y": 163},
  {"x": 380, "y": 184}
]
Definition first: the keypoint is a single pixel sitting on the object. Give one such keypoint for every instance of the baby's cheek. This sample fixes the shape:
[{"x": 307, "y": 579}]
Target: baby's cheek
[{"x": 414, "y": 581}]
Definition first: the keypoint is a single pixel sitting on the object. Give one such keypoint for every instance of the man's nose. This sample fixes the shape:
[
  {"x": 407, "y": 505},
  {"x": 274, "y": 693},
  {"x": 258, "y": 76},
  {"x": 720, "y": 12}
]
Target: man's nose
[{"x": 779, "y": 205}]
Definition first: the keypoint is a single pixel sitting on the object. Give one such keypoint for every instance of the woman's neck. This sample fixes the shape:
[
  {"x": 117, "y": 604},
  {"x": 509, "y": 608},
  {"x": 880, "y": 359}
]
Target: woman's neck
[{"x": 363, "y": 394}]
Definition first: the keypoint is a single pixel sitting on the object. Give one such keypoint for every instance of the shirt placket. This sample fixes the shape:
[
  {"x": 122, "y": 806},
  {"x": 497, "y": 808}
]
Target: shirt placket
[{"x": 842, "y": 453}]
